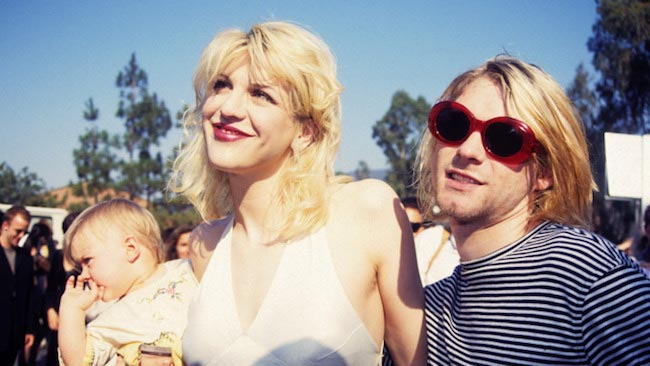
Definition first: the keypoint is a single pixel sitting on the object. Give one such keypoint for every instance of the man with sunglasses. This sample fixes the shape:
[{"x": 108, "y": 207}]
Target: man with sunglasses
[{"x": 506, "y": 158}]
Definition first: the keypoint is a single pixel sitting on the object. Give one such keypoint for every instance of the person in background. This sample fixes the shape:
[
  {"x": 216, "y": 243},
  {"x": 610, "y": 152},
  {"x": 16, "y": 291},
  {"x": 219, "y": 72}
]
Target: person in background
[
  {"x": 178, "y": 243},
  {"x": 412, "y": 209},
  {"x": 41, "y": 246},
  {"x": 506, "y": 159},
  {"x": 17, "y": 324},
  {"x": 55, "y": 286},
  {"x": 641, "y": 246},
  {"x": 116, "y": 245},
  {"x": 434, "y": 247},
  {"x": 296, "y": 265}
]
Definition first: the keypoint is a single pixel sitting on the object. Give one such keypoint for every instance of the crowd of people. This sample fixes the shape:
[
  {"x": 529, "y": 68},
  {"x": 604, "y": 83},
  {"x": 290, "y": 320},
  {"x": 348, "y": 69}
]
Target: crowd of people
[{"x": 493, "y": 262}]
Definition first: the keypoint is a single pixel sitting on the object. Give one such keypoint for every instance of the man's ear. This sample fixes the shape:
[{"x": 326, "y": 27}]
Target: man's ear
[
  {"x": 132, "y": 248},
  {"x": 544, "y": 180}
]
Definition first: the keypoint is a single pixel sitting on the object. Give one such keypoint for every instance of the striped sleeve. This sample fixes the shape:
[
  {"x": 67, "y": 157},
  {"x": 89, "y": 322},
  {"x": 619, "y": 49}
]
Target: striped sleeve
[{"x": 616, "y": 319}]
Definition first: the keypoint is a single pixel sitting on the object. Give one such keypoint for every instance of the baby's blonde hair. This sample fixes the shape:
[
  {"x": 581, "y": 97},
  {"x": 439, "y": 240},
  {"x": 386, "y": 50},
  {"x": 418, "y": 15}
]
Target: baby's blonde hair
[{"x": 121, "y": 215}]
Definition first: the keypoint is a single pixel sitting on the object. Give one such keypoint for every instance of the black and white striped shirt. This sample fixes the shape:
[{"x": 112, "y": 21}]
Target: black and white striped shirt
[{"x": 558, "y": 296}]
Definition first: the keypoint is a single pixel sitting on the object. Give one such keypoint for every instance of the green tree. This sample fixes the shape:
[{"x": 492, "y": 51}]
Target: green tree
[
  {"x": 584, "y": 98},
  {"x": 146, "y": 121},
  {"x": 621, "y": 56},
  {"x": 362, "y": 171},
  {"x": 621, "y": 48},
  {"x": 398, "y": 133},
  {"x": 23, "y": 188},
  {"x": 95, "y": 159},
  {"x": 586, "y": 101}
]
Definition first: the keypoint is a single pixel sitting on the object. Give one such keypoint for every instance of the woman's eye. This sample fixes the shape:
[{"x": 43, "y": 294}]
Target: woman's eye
[
  {"x": 258, "y": 93},
  {"x": 219, "y": 84}
]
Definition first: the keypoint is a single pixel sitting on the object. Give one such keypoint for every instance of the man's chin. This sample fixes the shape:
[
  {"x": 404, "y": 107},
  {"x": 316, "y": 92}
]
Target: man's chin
[{"x": 460, "y": 216}]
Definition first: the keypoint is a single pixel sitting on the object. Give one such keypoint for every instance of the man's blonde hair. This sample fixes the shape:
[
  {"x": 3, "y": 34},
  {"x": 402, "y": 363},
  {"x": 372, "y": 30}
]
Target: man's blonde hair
[
  {"x": 121, "y": 215},
  {"x": 304, "y": 66},
  {"x": 533, "y": 96}
]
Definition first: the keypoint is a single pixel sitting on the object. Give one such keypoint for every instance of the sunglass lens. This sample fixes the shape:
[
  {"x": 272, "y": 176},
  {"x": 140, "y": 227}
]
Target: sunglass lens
[
  {"x": 452, "y": 124},
  {"x": 503, "y": 139}
]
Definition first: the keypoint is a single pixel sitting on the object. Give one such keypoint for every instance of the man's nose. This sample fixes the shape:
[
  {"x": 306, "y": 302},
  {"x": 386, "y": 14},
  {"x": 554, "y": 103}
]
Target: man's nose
[{"x": 472, "y": 148}]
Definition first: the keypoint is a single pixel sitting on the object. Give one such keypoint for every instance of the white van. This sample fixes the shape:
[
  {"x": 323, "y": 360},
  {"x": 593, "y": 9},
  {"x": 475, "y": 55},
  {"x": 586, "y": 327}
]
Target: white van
[{"x": 52, "y": 216}]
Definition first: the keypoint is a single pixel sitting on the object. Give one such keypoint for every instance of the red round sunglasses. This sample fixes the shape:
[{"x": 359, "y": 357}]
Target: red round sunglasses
[{"x": 505, "y": 139}]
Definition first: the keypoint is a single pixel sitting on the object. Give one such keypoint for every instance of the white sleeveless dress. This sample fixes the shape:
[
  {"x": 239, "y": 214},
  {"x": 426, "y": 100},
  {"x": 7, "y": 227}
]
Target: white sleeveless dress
[{"x": 305, "y": 319}]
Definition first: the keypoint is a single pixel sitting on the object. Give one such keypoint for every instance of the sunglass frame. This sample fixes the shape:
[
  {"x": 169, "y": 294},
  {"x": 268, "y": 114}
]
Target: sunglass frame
[{"x": 528, "y": 146}]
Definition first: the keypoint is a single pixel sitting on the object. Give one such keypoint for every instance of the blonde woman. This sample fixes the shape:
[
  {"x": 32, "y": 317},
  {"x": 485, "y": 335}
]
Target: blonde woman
[{"x": 296, "y": 266}]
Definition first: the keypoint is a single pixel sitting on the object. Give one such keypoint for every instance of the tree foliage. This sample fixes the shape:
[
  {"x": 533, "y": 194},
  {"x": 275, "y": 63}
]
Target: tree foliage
[
  {"x": 621, "y": 48},
  {"x": 587, "y": 103},
  {"x": 362, "y": 171},
  {"x": 620, "y": 101},
  {"x": 23, "y": 188},
  {"x": 146, "y": 121},
  {"x": 398, "y": 133},
  {"x": 95, "y": 159},
  {"x": 584, "y": 98}
]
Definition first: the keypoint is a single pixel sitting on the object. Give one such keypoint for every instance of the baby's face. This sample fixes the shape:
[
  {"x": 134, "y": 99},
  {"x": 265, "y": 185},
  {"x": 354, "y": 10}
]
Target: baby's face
[{"x": 103, "y": 260}]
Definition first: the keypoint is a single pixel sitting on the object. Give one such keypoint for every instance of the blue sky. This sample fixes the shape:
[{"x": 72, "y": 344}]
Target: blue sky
[{"x": 57, "y": 54}]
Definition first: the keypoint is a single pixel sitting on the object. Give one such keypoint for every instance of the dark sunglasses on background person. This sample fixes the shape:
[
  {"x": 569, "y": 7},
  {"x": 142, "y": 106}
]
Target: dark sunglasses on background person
[
  {"x": 415, "y": 226},
  {"x": 505, "y": 139}
]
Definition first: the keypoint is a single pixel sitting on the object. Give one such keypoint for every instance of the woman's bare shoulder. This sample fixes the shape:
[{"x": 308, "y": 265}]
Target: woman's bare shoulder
[
  {"x": 203, "y": 234},
  {"x": 364, "y": 210},
  {"x": 203, "y": 241},
  {"x": 365, "y": 195}
]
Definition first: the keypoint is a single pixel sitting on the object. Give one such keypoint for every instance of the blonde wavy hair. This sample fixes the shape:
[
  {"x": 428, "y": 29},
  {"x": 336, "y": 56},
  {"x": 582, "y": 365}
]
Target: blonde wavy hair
[
  {"x": 534, "y": 97},
  {"x": 304, "y": 66},
  {"x": 122, "y": 215}
]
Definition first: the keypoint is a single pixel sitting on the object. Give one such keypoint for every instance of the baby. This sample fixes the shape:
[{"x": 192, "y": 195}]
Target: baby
[{"x": 116, "y": 245}]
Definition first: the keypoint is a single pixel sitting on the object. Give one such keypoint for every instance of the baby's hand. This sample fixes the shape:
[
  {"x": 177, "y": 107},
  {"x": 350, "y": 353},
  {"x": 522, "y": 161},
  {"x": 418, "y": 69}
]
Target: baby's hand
[{"x": 76, "y": 296}]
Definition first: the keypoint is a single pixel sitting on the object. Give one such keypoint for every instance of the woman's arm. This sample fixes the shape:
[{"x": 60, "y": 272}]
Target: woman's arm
[{"x": 389, "y": 239}]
